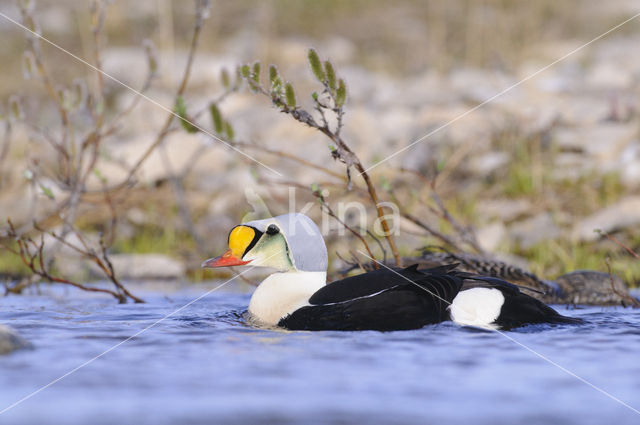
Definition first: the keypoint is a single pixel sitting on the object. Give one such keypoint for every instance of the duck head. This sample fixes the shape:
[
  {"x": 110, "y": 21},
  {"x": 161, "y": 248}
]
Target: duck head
[{"x": 289, "y": 242}]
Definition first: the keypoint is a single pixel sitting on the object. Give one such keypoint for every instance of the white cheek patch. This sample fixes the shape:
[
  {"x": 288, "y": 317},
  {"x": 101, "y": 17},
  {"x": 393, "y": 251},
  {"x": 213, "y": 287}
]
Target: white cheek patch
[
  {"x": 477, "y": 307},
  {"x": 271, "y": 254},
  {"x": 261, "y": 259}
]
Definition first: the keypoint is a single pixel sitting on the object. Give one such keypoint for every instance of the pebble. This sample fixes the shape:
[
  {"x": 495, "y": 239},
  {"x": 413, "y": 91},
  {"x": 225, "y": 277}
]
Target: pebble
[
  {"x": 10, "y": 340},
  {"x": 147, "y": 266},
  {"x": 534, "y": 230}
]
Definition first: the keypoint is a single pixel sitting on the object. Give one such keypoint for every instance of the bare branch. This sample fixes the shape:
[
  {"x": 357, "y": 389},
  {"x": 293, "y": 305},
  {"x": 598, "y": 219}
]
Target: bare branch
[
  {"x": 35, "y": 261},
  {"x": 620, "y": 244},
  {"x": 327, "y": 208},
  {"x": 181, "y": 89}
]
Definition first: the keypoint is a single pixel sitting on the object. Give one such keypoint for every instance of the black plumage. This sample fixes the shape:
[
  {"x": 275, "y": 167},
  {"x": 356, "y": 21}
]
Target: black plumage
[
  {"x": 401, "y": 299},
  {"x": 381, "y": 300},
  {"x": 521, "y": 309}
]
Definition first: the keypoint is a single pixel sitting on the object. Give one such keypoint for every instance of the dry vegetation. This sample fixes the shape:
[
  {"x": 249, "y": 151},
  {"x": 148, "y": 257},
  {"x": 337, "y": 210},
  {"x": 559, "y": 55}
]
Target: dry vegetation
[{"x": 60, "y": 120}]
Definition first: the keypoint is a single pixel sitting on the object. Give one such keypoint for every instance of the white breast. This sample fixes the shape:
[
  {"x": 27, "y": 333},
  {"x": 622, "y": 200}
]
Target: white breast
[
  {"x": 283, "y": 293},
  {"x": 477, "y": 307}
]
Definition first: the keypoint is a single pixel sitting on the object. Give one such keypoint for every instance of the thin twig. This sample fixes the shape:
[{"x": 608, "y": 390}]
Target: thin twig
[
  {"x": 36, "y": 263},
  {"x": 623, "y": 296},
  {"x": 292, "y": 157},
  {"x": 444, "y": 238},
  {"x": 620, "y": 244},
  {"x": 4, "y": 150},
  {"x": 180, "y": 198},
  {"x": 466, "y": 234},
  {"x": 328, "y": 210},
  {"x": 181, "y": 88}
]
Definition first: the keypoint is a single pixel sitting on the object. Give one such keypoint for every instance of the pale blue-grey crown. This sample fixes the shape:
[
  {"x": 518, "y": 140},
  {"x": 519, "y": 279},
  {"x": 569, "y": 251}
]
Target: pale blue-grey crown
[{"x": 303, "y": 237}]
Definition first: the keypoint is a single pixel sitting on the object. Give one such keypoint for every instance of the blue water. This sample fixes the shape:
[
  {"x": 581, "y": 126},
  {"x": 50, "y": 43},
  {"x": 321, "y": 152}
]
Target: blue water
[{"x": 205, "y": 365}]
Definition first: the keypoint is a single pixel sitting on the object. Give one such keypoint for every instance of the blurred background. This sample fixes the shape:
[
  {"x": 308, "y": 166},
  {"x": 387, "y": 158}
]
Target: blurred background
[{"x": 534, "y": 173}]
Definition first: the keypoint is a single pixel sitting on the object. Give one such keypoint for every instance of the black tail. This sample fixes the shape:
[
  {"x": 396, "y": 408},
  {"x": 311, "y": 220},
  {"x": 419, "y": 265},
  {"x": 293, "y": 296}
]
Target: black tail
[{"x": 560, "y": 319}]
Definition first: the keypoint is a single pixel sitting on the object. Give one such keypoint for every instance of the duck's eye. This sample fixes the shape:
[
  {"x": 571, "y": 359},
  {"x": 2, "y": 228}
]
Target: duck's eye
[{"x": 272, "y": 229}]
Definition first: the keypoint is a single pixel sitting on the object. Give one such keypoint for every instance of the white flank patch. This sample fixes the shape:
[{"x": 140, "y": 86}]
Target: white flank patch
[{"x": 477, "y": 307}]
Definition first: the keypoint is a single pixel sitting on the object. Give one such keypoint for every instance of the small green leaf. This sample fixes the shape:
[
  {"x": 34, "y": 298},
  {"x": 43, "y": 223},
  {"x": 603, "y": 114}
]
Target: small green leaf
[
  {"x": 386, "y": 186},
  {"x": 332, "y": 148},
  {"x": 229, "y": 131},
  {"x": 152, "y": 56},
  {"x": 181, "y": 111},
  {"x": 224, "y": 77},
  {"x": 341, "y": 93},
  {"x": 238, "y": 76},
  {"x": 66, "y": 99},
  {"x": 60, "y": 92},
  {"x": 316, "y": 65},
  {"x": 99, "y": 106},
  {"x": 256, "y": 72},
  {"x": 276, "y": 87},
  {"x": 245, "y": 71},
  {"x": 99, "y": 175},
  {"x": 273, "y": 74},
  {"x": 290, "y": 95},
  {"x": 15, "y": 108},
  {"x": 28, "y": 64},
  {"x": 331, "y": 75},
  {"x": 315, "y": 188},
  {"x": 48, "y": 192},
  {"x": 181, "y": 108},
  {"x": 30, "y": 23},
  {"x": 27, "y": 5},
  {"x": 441, "y": 164},
  {"x": 79, "y": 93},
  {"x": 216, "y": 118}
]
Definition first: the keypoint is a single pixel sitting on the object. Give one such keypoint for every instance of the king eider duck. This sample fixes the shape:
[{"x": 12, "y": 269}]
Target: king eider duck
[{"x": 297, "y": 296}]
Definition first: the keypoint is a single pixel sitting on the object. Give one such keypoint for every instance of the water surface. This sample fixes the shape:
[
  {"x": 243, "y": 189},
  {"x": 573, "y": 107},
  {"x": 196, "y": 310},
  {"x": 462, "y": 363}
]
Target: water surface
[{"x": 206, "y": 365}]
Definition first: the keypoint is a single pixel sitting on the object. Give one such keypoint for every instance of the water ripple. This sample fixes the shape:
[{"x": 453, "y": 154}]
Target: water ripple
[{"x": 206, "y": 363}]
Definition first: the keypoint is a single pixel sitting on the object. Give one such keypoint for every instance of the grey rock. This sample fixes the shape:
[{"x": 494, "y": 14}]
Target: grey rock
[
  {"x": 504, "y": 210},
  {"x": 623, "y": 214},
  {"x": 487, "y": 163},
  {"x": 581, "y": 109},
  {"x": 477, "y": 85},
  {"x": 591, "y": 287},
  {"x": 535, "y": 229},
  {"x": 629, "y": 165},
  {"x": 130, "y": 64},
  {"x": 491, "y": 236},
  {"x": 181, "y": 149},
  {"x": 146, "y": 266},
  {"x": 609, "y": 75},
  {"x": 10, "y": 340},
  {"x": 603, "y": 142},
  {"x": 342, "y": 49}
]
